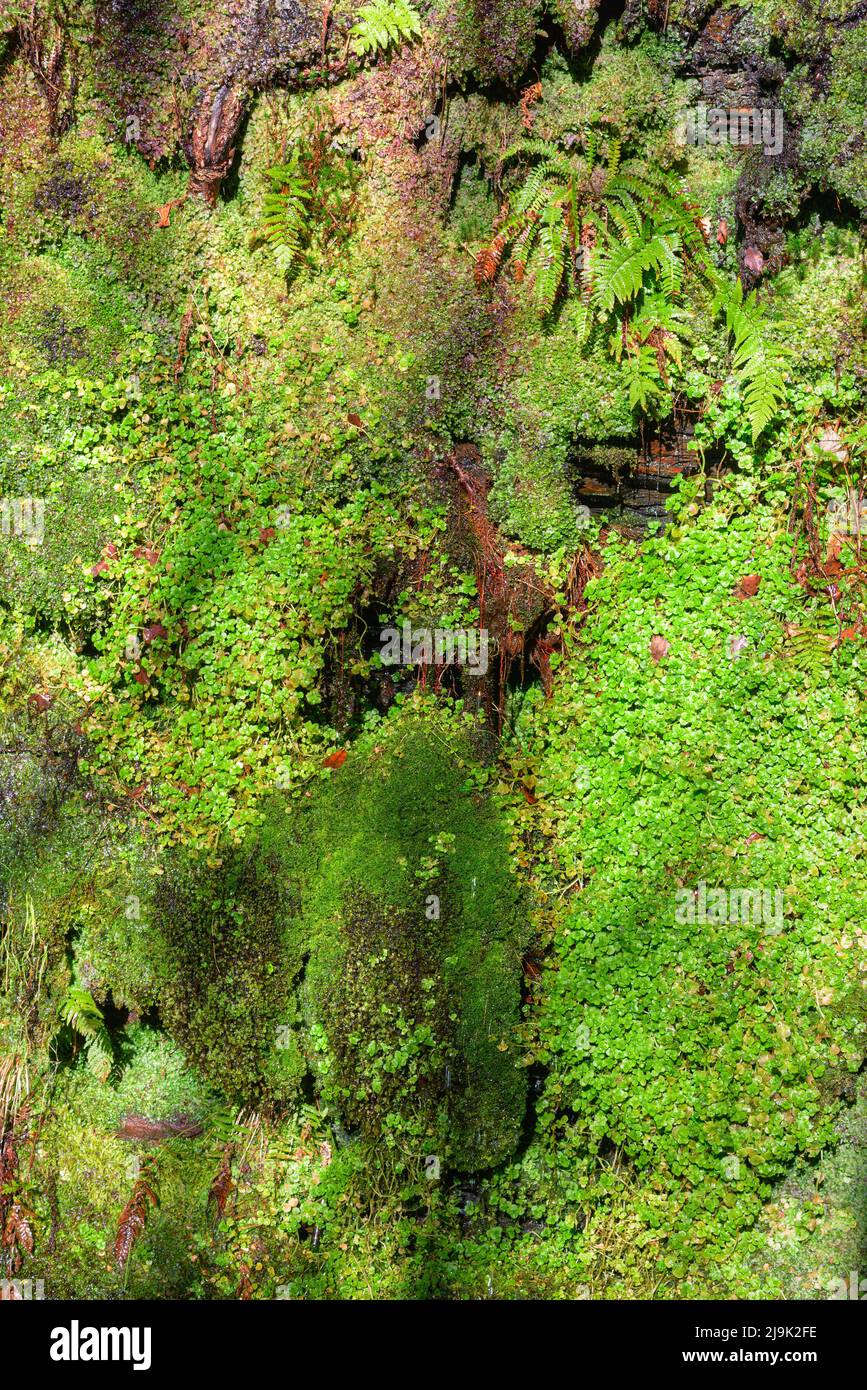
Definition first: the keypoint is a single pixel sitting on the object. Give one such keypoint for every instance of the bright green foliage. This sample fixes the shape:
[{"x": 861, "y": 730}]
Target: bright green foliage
[
  {"x": 222, "y": 815},
  {"x": 707, "y": 1051},
  {"x": 757, "y": 365},
  {"x": 382, "y": 24},
  {"x": 79, "y": 1012},
  {"x": 284, "y": 212},
  {"x": 625, "y": 239}
]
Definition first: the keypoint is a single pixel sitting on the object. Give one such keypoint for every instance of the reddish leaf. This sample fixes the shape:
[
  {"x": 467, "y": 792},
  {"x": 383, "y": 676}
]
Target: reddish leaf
[
  {"x": 99, "y": 568},
  {"x": 134, "y": 1215},
  {"x": 141, "y": 677},
  {"x": 658, "y": 648},
  {"x": 40, "y": 701},
  {"x": 145, "y": 552},
  {"x": 109, "y": 551},
  {"x": 835, "y": 545},
  {"x": 754, "y": 261},
  {"x": 153, "y": 631},
  {"x": 267, "y": 534},
  {"x": 222, "y": 1185},
  {"x": 335, "y": 759},
  {"x": 355, "y": 420},
  {"x": 722, "y": 232},
  {"x": 751, "y": 839},
  {"x": 748, "y": 587}
]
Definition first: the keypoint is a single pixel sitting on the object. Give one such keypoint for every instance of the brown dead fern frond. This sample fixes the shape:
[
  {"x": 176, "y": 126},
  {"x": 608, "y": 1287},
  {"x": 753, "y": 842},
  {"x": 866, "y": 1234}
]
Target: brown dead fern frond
[{"x": 134, "y": 1216}]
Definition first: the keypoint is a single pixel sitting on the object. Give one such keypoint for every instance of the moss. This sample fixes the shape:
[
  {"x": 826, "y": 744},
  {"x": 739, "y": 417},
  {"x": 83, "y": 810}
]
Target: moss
[
  {"x": 578, "y": 20},
  {"x": 89, "y": 1171},
  {"x": 631, "y": 90},
  {"x": 491, "y": 39},
  {"x": 555, "y": 395},
  {"x": 833, "y": 120},
  {"x": 225, "y": 972},
  {"x": 821, "y": 294},
  {"x": 402, "y": 833}
]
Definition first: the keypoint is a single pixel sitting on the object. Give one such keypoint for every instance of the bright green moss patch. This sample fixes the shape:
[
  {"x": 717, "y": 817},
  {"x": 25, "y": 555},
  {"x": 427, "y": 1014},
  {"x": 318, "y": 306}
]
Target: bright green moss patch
[{"x": 415, "y": 930}]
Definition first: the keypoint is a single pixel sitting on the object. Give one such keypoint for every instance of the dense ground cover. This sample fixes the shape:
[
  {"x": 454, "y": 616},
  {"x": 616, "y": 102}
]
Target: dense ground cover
[{"x": 325, "y": 977}]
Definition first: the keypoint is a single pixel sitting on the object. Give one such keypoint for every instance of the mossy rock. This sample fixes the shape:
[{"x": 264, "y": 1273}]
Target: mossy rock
[
  {"x": 415, "y": 928},
  {"x": 226, "y": 965}
]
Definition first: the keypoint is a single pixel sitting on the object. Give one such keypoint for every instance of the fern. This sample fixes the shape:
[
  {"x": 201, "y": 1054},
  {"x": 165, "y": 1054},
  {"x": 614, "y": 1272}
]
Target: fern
[
  {"x": 758, "y": 366},
  {"x": 551, "y": 259},
  {"x": 134, "y": 1215},
  {"x": 284, "y": 212},
  {"x": 382, "y": 24},
  {"x": 620, "y": 271},
  {"x": 810, "y": 650},
  {"x": 639, "y": 237},
  {"x": 80, "y": 1013},
  {"x": 641, "y": 376}
]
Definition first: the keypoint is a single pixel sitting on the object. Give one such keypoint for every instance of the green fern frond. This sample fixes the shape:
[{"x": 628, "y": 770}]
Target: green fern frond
[
  {"x": 625, "y": 215},
  {"x": 284, "y": 212},
  {"x": 758, "y": 365},
  {"x": 381, "y": 25},
  {"x": 551, "y": 257},
  {"x": 535, "y": 192},
  {"x": 641, "y": 376},
  {"x": 810, "y": 650},
  {"x": 530, "y": 147},
  {"x": 80, "y": 1012},
  {"x": 620, "y": 273}
]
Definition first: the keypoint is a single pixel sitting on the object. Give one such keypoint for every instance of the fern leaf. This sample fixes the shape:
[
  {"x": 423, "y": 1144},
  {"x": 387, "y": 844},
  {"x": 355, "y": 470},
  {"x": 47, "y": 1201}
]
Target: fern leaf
[
  {"x": 383, "y": 24},
  {"x": 551, "y": 261},
  {"x": 621, "y": 272},
  {"x": 758, "y": 366},
  {"x": 80, "y": 1013},
  {"x": 134, "y": 1215}
]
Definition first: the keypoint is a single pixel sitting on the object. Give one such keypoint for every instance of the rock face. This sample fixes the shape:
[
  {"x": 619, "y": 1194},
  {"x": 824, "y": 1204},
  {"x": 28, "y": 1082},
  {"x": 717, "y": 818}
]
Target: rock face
[
  {"x": 211, "y": 147},
  {"x": 262, "y": 44},
  {"x": 634, "y": 478}
]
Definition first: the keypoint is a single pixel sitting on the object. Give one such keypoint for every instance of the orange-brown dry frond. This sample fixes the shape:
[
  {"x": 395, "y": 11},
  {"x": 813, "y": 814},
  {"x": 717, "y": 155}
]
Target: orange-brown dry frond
[
  {"x": 488, "y": 261},
  {"x": 134, "y": 1215},
  {"x": 528, "y": 97}
]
